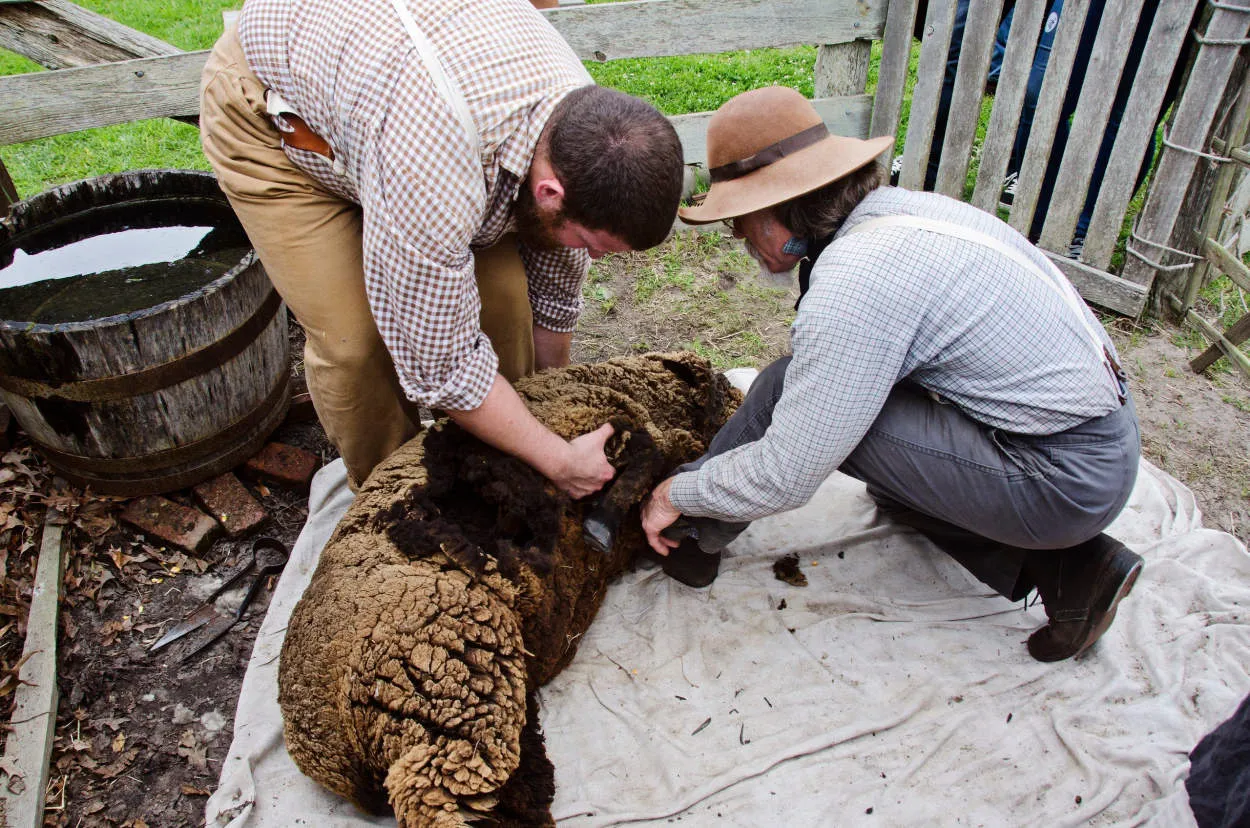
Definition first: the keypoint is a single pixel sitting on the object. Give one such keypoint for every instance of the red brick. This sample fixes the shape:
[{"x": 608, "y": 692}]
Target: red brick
[
  {"x": 284, "y": 465},
  {"x": 226, "y": 499},
  {"x": 176, "y": 525}
]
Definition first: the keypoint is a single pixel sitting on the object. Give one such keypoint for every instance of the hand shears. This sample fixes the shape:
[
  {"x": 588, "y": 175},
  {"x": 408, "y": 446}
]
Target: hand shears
[{"x": 269, "y": 556}]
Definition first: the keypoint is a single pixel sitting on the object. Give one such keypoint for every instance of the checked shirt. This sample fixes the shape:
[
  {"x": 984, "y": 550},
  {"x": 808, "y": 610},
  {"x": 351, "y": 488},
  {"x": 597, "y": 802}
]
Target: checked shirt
[
  {"x": 957, "y": 318},
  {"x": 350, "y": 70}
]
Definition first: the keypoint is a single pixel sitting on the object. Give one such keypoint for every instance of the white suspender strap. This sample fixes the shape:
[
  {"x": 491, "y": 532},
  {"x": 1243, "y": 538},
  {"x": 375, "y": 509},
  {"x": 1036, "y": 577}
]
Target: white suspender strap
[
  {"x": 1050, "y": 275},
  {"x": 442, "y": 81}
]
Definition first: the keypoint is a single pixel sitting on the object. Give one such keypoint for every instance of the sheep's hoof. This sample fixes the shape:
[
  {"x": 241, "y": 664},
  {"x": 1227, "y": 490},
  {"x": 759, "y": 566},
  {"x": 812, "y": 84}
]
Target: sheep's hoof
[
  {"x": 599, "y": 530},
  {"x": 690, "y": 565}
]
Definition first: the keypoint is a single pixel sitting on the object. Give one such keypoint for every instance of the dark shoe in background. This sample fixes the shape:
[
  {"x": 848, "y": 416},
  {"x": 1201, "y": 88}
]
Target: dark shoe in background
[{"x": 1081, "y": 588}]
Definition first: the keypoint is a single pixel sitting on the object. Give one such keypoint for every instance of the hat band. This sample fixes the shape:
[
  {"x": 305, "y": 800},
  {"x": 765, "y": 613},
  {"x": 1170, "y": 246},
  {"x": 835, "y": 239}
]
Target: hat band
[{"x": 769, "y": 154}]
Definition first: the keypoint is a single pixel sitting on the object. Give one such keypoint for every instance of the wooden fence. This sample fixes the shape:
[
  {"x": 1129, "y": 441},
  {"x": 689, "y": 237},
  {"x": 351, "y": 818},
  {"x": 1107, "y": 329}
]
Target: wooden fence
[{"x": 146, "y": 78}]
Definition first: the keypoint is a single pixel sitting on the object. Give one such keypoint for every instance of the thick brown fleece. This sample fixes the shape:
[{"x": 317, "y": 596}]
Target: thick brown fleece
[{"x": 458, "y": 583}]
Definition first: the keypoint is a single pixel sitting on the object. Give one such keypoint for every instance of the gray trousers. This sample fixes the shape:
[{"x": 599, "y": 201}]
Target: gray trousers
[{"x": 987, "y": 497}]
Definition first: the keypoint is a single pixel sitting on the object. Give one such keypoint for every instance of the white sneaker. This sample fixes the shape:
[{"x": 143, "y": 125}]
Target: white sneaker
[
  {"x": 896, "y": 169},
  {"x": 1008, "y": 194}
]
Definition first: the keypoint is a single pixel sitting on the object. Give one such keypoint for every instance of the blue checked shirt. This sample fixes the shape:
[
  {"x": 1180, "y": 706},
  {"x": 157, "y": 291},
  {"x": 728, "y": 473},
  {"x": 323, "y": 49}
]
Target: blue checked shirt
[
  {"x": 895, "y": 303},
  {"x": 350, "y": 70}
]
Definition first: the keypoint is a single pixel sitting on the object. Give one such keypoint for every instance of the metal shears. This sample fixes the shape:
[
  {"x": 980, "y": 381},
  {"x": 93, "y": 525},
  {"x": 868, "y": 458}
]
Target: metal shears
[{"x": 269, "y": 556}]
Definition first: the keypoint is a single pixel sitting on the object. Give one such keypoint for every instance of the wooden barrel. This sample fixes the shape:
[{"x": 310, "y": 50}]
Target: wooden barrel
[{"x": 158, "y": 398}]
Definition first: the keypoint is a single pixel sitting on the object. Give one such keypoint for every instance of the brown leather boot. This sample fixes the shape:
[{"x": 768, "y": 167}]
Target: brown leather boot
[{"x": 1080, "y": 588}]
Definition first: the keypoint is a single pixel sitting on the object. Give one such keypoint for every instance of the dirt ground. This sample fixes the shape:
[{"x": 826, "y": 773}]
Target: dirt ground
[{"x": 140, "y": 737}]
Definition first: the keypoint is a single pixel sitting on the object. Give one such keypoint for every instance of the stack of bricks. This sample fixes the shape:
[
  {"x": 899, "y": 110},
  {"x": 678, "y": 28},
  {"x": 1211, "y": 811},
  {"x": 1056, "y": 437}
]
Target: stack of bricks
[{"x": 226, "y": 505}]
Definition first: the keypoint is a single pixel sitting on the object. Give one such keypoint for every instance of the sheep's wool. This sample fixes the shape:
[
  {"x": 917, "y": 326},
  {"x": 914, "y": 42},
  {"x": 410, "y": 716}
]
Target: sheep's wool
[{"x": 459, "y": 582}]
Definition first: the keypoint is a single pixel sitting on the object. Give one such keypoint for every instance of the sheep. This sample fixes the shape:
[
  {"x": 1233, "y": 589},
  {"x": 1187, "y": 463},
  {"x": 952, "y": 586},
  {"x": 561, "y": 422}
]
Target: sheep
[{"x": 459, "y": 582}]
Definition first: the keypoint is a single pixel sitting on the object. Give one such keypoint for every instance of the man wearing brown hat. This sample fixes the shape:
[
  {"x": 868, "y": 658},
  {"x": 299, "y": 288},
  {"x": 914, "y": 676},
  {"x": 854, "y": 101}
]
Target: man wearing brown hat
[
  {"x": 937, "y": 356},
  {"x": 425, "y": 183}
]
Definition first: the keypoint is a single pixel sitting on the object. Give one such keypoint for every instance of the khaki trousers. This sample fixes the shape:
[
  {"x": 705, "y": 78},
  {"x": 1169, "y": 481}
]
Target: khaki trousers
[{"x": 309, "y": 241}]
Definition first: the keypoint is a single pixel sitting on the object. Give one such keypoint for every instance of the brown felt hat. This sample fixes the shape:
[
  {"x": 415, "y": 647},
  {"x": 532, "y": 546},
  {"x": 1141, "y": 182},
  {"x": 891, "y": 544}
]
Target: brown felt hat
[{"x": 767, "y": 146}]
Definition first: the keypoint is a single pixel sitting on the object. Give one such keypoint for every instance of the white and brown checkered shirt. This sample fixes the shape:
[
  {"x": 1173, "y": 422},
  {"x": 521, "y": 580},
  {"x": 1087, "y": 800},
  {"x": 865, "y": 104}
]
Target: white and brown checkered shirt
[{"x": 350, "y": 70}]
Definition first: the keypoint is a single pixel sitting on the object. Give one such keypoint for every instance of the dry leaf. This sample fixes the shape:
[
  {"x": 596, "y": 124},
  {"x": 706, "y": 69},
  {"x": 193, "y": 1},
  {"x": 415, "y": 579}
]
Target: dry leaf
[
  {"x": 118, "y": 765},
  {"x": 119, "y": 742},
  {"x": 189, "y": 748},
  {"x": 194, "y": 790}
]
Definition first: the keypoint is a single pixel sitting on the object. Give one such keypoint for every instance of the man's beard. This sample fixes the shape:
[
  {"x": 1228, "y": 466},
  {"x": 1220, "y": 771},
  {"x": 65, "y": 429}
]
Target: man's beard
[
  {"x": 783, "y": 279},
  {"x": 535, "y": 227}
]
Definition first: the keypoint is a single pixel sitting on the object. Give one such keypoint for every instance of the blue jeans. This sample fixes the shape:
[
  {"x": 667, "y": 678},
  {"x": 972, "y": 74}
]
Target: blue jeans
[
  {"x": 987, "y": 497},
  {"x": 1083, "y": 51},
  {"x": 1033, "y": 91}
]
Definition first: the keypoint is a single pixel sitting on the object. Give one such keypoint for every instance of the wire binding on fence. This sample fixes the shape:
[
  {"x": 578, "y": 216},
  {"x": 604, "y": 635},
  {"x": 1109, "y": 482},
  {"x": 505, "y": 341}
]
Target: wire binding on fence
[
  {"x": 1215, "y": 4},
  {"x": 1128, "y": 249},
  {"x": 1220, "y": 41},
  {"x": 1168, "y": 142}
]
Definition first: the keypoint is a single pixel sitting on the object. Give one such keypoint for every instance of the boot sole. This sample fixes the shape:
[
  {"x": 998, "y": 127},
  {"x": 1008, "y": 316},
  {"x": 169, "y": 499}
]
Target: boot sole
[
  {"x": 1101, "y": 614},
  {"x": 1108, "y": 615}
]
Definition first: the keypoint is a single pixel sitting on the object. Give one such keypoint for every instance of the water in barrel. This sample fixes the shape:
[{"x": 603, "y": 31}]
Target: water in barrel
[{"x": 117, "y": 259}]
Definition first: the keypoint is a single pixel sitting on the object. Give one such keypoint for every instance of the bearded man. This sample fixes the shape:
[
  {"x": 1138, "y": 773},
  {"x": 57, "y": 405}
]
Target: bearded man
[
  {"x": 937, "y": 356},
  {"x": 425, "y": 184}
]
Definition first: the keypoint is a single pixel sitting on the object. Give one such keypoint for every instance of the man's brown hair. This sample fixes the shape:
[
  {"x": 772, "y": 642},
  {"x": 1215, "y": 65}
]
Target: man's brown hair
[
  {"x": 821, "y": 212},
  {"x": 620, "y": 162}
]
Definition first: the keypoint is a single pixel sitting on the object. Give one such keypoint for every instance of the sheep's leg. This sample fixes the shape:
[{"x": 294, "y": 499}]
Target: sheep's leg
[
  {"x": 640, "y": 460},
  {"x": 525, "y": 799}
]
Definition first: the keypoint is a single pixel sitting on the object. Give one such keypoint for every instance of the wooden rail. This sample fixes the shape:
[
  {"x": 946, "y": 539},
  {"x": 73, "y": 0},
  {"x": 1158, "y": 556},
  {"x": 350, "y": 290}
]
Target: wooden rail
[{"x": 147, "y": 78}]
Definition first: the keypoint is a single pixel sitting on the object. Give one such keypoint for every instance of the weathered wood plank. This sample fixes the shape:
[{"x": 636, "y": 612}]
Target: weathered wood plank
[
  {"x": 29, "y": 746},
  {"x": 8, "y": 190},
  {"x": 1089, "y": 121},
  {"x": 924, "y": 100},
  {"x": 848, "y": 115},
  {"x": 41, "y": 104},
  {"x": 1136, "y": 135},
  {"x": 892, "y": 72},
  {"x": 60, "y": 35},
  {"x": 1013, "y": 83},
  {"x": 1225, "y": 262},
  {"x": 1190, "y": 127},
  {"x": 1234, "y": 336},
  {"x": 1102, "y": 289},
  {"x": 965, "y": 108},
  {"x": 1046, "y": 117},
  {"x": 652, "y": 28},
  {"x": 1227, "y": 348},
  {"x": 842, "y": 69}
]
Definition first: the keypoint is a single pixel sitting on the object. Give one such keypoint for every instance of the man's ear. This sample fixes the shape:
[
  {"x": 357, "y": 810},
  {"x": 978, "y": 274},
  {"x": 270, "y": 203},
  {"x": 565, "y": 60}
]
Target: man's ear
[{"x": 549, "y": 193}]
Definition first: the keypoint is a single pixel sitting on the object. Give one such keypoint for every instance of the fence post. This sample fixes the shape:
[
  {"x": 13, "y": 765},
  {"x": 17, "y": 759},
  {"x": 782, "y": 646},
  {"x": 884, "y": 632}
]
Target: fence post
[{"x": 842, "y": 69}]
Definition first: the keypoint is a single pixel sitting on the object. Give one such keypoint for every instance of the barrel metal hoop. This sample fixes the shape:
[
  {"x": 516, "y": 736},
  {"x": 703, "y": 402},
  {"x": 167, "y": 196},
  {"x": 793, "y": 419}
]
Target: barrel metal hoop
[
  {"x": 155, "y": 378},
  {"x": 174, "y": 456}
]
